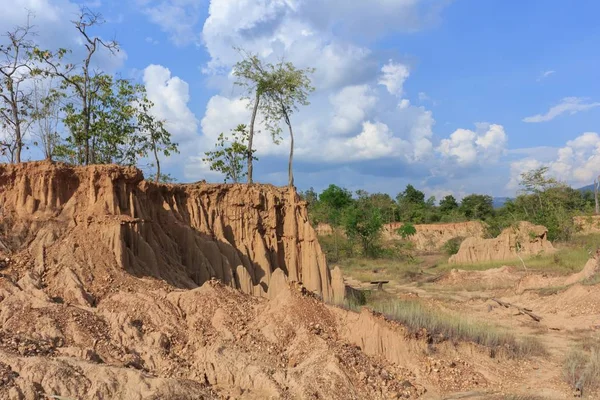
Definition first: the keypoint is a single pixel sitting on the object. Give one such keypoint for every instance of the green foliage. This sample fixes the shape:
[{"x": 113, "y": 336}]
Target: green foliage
[
  {"x": 231, "y": 154},
  {"x": 448, "y": 204},
  {"x": 477, "y": 207},
  {"x": 286, "y": 88},
  {"x": 407, "y": 230},
  {"x": 362, "y": 222},
  {"x": 452, "y": 246}
]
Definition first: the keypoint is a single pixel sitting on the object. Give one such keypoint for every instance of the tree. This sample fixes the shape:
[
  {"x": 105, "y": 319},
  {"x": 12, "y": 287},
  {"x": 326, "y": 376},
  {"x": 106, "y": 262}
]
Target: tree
[
  {"x": 288, "y": 87},
  {"x": 253, "y": 76},
  {"x": 407, "y": 230},
  {"x": 334, "y": 200},
  {"x": 363, "y": 222},
  {"x": 231, "y": 154},
  {"x": 15, "y": 99},
  {"x": 85, "y": 84},
  {"x": 411, "y": 195},
  {"x": 448, "y": 204},
  {"x": 46, "y": 115},
  {"x": 477, "y": 206},
  {"x": 596, "y": 189},
  {"x": 152, "y": 137}
]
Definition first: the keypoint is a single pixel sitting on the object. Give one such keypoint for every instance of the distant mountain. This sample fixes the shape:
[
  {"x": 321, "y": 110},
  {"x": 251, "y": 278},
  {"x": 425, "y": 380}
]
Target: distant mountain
[
  {"x": 498, "y": 202},
  {"x": 587, "y": 188}
]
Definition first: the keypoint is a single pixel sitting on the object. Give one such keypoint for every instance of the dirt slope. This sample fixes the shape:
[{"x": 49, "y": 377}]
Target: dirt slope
[
  {"x": 525, "y": 239},
  {"x": 431, "y": 237}
]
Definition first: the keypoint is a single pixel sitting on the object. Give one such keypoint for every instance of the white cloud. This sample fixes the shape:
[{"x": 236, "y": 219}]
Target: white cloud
[
  {"x": 577, "y": 163},
  {"x": 467, "y": 148},
  {"x": 170, "y": 96},
  {"x": 51, "y": 23},
  {"x": 571, "y": 105},
  {"x": 178, "y": 18},
  {"x": 393, "y": 77},
  {"x": 545, "y": 75},
  {"x": 350, "y": 106},
  {"x": 404, "y": 103}
]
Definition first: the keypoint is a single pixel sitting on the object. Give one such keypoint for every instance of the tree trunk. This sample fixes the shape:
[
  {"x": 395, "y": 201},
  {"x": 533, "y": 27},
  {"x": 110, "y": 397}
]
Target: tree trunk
[
  {"x": 596, "y": 184},
  {"x": 251, "y": 136},
  {"x": 157, "y": 164},
  {"x": 18, "y": 138},
  {"x": 290, "y": 172}
]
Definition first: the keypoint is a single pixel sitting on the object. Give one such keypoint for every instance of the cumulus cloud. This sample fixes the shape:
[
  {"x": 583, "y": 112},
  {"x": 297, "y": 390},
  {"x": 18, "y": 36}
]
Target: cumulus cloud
[
  {"x": 467, "y": 148},
  {"x": 393, "y": 77},
  {"x": 576, "y": 163},
  {"x": 350, "y": 106},
  {"x": 170, "y": 96},
  {"x": 570, "y": 105},
  {"x": 50, "y": 20}
]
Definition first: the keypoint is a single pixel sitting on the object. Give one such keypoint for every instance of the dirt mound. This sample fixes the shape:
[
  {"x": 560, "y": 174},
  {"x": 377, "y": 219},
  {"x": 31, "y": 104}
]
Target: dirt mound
[
  {"x": 525, "y": 239},
  {"x": 323, "y": 229},
  {"x": 587, "y": 224},
  {"x": 99, "y": 227},
  {"x": 430, "y": 237},
  {"x": 488, "y": 279}
]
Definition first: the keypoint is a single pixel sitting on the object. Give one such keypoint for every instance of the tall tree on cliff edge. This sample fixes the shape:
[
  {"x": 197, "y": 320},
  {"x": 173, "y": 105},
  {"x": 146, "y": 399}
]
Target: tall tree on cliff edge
[
  {"x": 85, "y": 83},
  {"x": 288, "y": 88},
  {"x": 15, "y": 98},
  {"x": 252, "y": 75}
]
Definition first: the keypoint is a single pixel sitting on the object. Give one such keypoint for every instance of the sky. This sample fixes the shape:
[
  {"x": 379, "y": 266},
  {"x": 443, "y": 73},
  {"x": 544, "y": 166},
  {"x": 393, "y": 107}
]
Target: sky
[{"x": 452, "y": 96}]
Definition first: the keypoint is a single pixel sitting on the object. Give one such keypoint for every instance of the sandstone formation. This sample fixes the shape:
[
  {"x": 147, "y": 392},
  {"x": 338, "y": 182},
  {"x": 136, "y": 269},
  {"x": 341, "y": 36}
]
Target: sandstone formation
[
  {"x": 523, "y": 240},
  {"x": 91, "y": 225},
  {"x": 431, "y": 237},
  {"x": 587, "y": 224}
]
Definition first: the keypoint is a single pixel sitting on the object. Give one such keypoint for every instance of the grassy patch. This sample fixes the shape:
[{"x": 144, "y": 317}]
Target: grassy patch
[
  {"x": 581, "y": 368},
  {"x": 415, "y": 316},
  {"x": 366, "y": 270}
]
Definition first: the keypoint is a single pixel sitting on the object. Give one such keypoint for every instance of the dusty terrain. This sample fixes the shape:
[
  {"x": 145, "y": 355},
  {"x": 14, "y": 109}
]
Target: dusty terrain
[{"x": 112, "y": 287}]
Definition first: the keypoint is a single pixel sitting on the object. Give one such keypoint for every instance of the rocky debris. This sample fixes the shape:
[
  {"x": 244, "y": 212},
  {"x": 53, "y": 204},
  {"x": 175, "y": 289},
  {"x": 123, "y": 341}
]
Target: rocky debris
[
  {"x": 453, "y": 375},
  {"x": 430, "y": 237},
  {"x": 524, "y": 239}
]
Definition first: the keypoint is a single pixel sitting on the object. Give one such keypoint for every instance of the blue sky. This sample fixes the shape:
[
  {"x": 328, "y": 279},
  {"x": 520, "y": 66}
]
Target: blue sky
[{"x": 452, "y": 96}]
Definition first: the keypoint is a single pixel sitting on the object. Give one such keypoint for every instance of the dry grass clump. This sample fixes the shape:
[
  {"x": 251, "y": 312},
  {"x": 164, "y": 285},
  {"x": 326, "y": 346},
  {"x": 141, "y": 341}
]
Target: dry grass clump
[
  {"x": 416, "y": 317},
  {"x": 581, "y": 367}
]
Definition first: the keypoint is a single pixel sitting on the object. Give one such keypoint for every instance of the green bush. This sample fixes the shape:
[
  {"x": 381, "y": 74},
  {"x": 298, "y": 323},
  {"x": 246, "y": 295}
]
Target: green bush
[{"x": 452, "y": 246}]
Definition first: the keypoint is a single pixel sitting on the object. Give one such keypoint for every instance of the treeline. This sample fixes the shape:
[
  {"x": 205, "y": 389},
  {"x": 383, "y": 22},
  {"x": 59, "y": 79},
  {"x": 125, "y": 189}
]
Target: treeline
[
  {"x": 74, "y": 111},
  {"x": 541, "y": 200}
]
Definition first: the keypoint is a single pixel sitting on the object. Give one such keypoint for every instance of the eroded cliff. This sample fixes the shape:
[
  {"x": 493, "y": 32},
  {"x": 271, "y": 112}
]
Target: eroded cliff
[{"x": 92, "y": 226}]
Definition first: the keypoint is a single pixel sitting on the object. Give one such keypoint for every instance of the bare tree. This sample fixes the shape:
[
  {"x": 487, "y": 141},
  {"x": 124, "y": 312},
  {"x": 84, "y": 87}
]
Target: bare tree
[
  {"x": 46, "y": 114},
  {"x": 15, "y": 69},
  {"x": 84, "y": 82}
]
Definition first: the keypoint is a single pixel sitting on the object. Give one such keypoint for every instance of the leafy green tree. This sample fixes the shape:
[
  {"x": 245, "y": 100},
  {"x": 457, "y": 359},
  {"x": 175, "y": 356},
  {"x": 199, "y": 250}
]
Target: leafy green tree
[
  {"x": 407, "y": 230},
  {"x": 448, "y": 204},
  {"x": 332, "y": 202},
  {"x": 231, "y": 154},
  {"x": 254, "y": 77},
  {"x": 84, "y": 86},
  {"x": 477, "y": 206},
  {"x": 411, "y": 195},
  {"x": 363, "y": 222},
  {"x": 288, "y": 88}
]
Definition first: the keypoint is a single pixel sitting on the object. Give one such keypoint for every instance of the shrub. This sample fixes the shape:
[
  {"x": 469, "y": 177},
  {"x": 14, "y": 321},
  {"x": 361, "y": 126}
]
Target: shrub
[
  {"x": 452, "y": 246},
  {"x": 406, "y": 230},
  {"x": 581, "y": 367}
]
